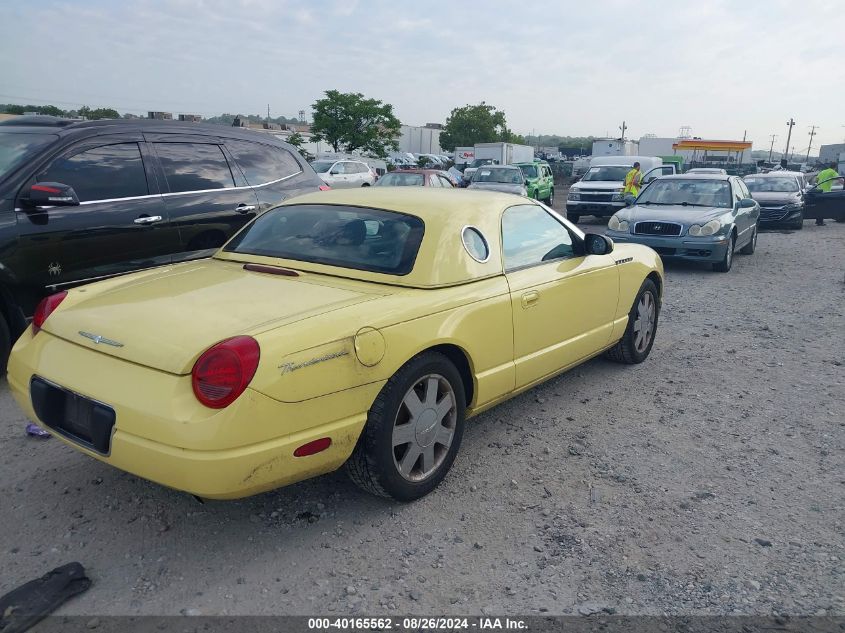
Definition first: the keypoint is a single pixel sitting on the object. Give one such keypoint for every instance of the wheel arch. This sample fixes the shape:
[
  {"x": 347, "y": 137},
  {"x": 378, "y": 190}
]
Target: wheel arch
[
  {"x": 657, "y": 280},
  {"x": 460, "y": 359}
]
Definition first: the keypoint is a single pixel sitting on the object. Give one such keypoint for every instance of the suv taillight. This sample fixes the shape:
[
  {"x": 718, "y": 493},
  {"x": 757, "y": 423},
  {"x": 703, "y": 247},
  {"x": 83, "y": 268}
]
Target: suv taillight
[
  {"x": 325, "y": 188},
  {"x": 223, "y": 372},
  {"x": 45, "y": 308}
]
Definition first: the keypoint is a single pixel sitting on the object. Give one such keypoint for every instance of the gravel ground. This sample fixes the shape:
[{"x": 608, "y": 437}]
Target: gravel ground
[{"x": 708, "y": 480}]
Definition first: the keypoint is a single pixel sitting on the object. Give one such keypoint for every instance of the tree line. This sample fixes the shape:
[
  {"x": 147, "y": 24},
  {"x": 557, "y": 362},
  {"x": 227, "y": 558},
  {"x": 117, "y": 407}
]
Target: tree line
[{"x": 347, "y": 121}]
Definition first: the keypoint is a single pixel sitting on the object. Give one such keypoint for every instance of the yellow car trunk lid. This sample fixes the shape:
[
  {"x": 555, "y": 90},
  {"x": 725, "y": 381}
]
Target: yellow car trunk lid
[{"x": 166, "y": 318}]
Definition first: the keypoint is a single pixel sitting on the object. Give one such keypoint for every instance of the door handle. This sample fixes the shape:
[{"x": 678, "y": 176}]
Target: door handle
[
  {"x": 530, "y": 299},
  {"x": 148, "y": 219},
  {"x": 245, "y": 208}
]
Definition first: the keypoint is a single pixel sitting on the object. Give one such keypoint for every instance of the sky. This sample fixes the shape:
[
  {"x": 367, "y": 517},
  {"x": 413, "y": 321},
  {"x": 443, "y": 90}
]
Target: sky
[{"x": 724, "y": 68}]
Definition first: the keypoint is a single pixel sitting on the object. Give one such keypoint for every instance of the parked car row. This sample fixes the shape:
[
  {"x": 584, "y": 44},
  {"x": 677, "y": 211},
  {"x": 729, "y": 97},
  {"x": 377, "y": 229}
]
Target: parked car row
[{"x": 80, "y": 201}]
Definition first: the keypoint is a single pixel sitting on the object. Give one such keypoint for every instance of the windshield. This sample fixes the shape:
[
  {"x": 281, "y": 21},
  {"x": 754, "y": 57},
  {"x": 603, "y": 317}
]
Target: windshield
[
  {"x": 16, "y": 147},
  {"x": 347, "y": 237},
  {"x": 478, "y": 162},
  {"x": 322, "y": 166},
  {"x": 771, "y": 184},
  {"x": 530, "y": 171},
  {"x": 398, "y": 179},
  {"x": 696, "y": 192},
  {"x": 499, "y": 174},
  {"x": 607, "y": 173},
  {"x": 706, "y": 170}
]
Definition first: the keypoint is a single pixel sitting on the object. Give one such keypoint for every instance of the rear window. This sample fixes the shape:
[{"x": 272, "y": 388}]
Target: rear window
[
  {"x": 348, "y": 237},
  {"x": 15, "y": 148},
  {"x": 262, "y": 163},
  {"x": 194, "y": 166}
]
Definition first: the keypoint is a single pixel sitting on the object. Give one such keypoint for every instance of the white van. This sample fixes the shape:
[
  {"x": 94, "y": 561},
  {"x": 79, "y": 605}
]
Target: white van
[{"x": 599, "y": 192}]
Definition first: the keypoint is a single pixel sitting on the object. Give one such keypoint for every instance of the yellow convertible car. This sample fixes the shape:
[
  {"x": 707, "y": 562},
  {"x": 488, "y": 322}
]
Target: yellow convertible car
[{"x": 357, "y": 327}]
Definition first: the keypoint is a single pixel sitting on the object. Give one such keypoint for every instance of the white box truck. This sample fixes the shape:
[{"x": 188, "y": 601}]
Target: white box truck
[
  {"x": 599, "y": 192},
  {"x": 498, "y": 154},
  {"x": 464, "y": 155}
]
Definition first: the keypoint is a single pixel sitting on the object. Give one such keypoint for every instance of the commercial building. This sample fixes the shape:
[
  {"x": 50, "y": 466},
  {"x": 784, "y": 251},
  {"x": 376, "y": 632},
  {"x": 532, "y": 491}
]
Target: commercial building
[
  {"x": 697, "y": 150},
  {"x": 165, "y": 116}
]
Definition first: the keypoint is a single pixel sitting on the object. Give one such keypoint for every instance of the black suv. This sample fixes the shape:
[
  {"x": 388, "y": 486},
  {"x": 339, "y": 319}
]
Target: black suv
[{"x": 81, "y": 201}]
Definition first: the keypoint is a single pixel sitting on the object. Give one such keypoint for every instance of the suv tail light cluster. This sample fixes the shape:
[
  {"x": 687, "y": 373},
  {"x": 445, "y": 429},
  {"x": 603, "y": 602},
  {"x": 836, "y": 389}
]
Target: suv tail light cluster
[
  {"x": 224, "y": 371},
  {"x": 45, "y": 308}
]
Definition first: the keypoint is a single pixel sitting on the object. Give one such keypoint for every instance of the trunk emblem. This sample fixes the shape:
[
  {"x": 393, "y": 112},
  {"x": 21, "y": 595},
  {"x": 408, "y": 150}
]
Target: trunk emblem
[{"x": 100, "y": 339}]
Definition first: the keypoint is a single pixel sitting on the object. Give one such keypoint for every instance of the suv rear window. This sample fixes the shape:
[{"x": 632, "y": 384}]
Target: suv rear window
[
  {"x": 194, "y": 166},
  {"x": 262, "y": 163},
  {"x": 101, "y": 173},
  {"x": 347, "y": 237}
]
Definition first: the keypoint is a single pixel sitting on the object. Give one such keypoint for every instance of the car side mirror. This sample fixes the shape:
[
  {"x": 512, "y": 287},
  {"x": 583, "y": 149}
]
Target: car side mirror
[
  {"x": 51, "y": 194},
  {"x": 595, "y": 244},
  {"x": 746, "y": 203},
  {"x": 525, "y": 182}
]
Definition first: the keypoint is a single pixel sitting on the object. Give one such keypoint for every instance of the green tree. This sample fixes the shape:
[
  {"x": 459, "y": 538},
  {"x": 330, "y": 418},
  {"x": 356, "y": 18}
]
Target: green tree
[
  {"x": 473, "y": 124},
  {"x": 297, "y": 140},
  {"x": 349, "y": 121},
  {"x": 98, "y": 113}
]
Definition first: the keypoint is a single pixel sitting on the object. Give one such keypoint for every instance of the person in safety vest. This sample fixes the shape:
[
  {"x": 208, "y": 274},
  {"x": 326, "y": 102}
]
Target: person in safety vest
[
  {"x": 633, "y": 180},
  {"x": 825, "y": 187}
]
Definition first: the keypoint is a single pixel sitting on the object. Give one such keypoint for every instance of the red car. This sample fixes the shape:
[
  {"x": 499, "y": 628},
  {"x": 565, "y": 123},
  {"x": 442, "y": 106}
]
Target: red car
[{"x": 416, "y": 178}]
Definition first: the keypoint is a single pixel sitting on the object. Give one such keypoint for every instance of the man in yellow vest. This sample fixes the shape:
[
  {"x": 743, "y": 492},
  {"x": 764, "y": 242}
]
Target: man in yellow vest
[
  {"x": 826, "y": 175},
  {"x": 633, "y": 179}
]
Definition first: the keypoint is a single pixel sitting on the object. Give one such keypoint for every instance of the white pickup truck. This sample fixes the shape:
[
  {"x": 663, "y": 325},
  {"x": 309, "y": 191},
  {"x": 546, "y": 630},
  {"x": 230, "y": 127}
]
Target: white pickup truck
[{"x": 599, "y": 192}]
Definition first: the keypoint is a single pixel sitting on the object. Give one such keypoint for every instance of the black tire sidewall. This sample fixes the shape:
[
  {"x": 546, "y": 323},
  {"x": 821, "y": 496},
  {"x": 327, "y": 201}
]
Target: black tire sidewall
[
  {"x": 380, "y": 446},
  {"x": 5, "y": 344}
]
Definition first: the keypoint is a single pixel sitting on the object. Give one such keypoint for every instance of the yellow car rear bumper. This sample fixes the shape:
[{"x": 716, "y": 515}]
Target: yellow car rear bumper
[{"x": 163, "y": 434}]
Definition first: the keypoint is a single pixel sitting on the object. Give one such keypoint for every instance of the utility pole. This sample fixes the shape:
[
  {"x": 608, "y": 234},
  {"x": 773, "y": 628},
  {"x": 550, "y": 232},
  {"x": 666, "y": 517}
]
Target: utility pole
[
  {"x": 813, "y": 129},
  {"x": 302, "y": 116},
  {"x": 772, "y": 146},
  {"x": 790, "y": 123},
  {"x": 623, "y": 128},
  {"x": 268, "y": 111}
]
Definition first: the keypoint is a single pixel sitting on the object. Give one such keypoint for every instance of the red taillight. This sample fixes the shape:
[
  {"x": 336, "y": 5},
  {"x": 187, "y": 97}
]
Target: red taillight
[
  {"x": 222, "y": 373},
  {"x": 325, "y": 188},
  {"x": 313, "y": 447},
  {"x": 45, "y": 308}
]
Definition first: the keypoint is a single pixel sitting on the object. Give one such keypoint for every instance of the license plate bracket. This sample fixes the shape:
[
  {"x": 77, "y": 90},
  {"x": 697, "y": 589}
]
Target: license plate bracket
[{"x": 84, "y": 421}]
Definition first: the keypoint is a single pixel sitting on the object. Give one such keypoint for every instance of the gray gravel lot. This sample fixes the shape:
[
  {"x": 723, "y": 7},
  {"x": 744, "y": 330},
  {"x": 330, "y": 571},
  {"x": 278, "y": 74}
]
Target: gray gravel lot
[{"x": 709, "y": 479}]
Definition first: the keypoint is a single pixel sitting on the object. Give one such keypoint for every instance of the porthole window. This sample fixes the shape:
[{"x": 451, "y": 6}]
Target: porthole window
[{"x": 475, "y": 244}]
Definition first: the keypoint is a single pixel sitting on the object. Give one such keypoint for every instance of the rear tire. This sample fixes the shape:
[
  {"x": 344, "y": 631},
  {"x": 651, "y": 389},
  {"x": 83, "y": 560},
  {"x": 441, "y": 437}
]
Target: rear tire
[
  {"x": 413, "y": 430},
  {"x": 749, "y": 248},
  {"x": 635, "y": 345},
  {"x": 726, "y": 263},
  {"x": 550, "y": 201},
  {"x": 366, "y": 184}
]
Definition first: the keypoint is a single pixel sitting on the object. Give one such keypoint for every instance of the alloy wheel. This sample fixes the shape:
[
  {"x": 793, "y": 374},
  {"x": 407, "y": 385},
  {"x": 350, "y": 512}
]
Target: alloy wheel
[
  {"x": 644, "y": 322},
  {"x": 424, "y": 427}
]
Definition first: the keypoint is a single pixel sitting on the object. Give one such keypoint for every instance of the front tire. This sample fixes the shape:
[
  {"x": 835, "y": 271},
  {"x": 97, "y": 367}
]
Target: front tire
[
  {"x": 413, "y": 430},
  {"x": 5, "y": 344},
  {"x": 550, "y": 201},
  {"x": 749, "y": 248},
  {"x": 573, "y": 217},
  {"x": 635, "y": 345},
  {"x": 728, "y": 260}
]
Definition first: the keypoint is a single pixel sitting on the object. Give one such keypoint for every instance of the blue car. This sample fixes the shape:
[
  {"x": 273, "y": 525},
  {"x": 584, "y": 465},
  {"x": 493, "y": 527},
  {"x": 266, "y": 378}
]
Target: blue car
[{"x": 703, "y": 218}]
